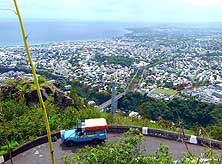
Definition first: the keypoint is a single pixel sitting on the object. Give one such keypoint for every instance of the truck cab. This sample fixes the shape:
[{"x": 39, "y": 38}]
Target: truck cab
[{"x": 88, "y": 130}]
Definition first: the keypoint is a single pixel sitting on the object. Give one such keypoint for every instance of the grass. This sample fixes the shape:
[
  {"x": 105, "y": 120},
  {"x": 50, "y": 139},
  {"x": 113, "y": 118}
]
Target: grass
[
  {"x": 127, "y": 121},
  {"x": 166, "y": 91}
]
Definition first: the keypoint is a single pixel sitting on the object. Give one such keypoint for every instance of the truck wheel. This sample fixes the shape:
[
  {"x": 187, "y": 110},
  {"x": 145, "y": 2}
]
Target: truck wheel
[
  {"x": 69, "y": 143},
  {"x": 96, "y": 141}
]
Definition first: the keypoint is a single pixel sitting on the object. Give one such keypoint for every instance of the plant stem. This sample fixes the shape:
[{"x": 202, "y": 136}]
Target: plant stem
[{"x": 36, "y": 83}]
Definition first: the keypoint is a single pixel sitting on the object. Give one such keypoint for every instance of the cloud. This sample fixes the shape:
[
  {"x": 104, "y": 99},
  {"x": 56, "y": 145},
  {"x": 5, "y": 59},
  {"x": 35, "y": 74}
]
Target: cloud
[
  {"x": 120, "y": 10},
  {"x": 204, "y": 3}
]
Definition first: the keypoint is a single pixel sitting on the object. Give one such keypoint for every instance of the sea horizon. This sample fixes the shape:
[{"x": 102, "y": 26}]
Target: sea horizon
[
  {"x": 57, "y": 31},
  {"x": 47, "y": 32}
]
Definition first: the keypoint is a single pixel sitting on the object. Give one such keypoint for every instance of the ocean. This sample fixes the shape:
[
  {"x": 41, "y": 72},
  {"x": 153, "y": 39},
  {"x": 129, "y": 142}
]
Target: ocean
[{"x": 42, "y": 32}]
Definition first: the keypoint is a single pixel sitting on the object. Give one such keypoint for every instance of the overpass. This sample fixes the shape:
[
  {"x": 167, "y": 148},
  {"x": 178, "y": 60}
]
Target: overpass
[
  {"x": 108, "y": 103},
  {"x": 119, "y": 96}
]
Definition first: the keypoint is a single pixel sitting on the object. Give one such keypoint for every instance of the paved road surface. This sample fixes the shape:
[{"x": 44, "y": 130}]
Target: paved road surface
[
  {"x": 108, "y": 103},
  {"x": 40, "y": 155}
]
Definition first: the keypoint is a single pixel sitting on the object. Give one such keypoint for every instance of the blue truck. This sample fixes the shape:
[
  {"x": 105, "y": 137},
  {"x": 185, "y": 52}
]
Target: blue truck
[{"x": 88, "y": 130}]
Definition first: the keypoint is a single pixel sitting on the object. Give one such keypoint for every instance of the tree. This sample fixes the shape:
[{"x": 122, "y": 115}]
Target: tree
[
  {"x": 77, "y": 100},
  {"x": 216, "y": 131},
  {"x": 101, "y": 97},
  {"x": 190, "y": 111}
]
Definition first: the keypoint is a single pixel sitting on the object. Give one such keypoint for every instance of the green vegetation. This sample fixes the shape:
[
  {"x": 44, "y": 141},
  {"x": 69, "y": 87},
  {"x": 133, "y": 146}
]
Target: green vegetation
[
  {"x": 27, "y": 85},
  {"x": 188, "y": 113},
  {"x": 90, "y": 94},
  {"x": 119, "y": 119},
  {"x": 9, "y": 82},
  {"x": 121, "y": 60},
  {"x": 24, "y": 123},
  {"x": 127, "y": 150},
  {"x": 166, "y": 91},
  {"x": 215, "y": 131},
  {"x": 4, "y": 149}
]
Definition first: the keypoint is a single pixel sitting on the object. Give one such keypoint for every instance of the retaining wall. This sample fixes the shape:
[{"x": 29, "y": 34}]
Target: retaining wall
[
  {"x": 167, "y": 135},
  {"x": 30, "y": 144},
  {"x": 121, "y": 129}
]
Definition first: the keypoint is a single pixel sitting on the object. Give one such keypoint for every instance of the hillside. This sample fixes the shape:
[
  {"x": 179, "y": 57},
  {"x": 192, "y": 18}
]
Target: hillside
[
  {"x": 188, "y": 113},
  {"x": 22, "y": 119}
]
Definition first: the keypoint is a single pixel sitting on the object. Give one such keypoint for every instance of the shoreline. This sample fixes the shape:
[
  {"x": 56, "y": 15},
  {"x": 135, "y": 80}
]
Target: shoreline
[
  {"x": 103, "y": 34},
  {"x": 65, "y": 41}
]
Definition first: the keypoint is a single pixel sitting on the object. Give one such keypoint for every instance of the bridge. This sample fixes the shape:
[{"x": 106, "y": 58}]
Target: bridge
[{"x": 104, "y": 105}]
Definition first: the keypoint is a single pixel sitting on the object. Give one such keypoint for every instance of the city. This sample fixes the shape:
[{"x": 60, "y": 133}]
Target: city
[
  {"x": 167, "y": 61},
  {"x": 111, "y": 82}
]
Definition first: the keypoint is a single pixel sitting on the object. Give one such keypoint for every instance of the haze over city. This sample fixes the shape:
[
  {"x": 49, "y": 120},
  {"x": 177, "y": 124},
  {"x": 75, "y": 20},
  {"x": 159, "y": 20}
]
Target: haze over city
[{"x": 118, "y": 10}]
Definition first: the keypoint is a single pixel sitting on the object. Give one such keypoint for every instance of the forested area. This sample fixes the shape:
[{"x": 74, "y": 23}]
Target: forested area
[
  {"x": 90, "y": 94},
  {"x": 189, "y": 113}
]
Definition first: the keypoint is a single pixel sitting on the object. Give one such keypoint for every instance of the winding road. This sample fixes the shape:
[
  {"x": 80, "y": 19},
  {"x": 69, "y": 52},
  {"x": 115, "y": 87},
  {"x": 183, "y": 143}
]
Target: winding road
[{"x": 40, "y": 154}]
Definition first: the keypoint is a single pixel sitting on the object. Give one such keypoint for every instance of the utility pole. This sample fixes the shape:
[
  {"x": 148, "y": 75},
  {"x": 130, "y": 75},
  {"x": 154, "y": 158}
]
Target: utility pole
[{"x": 114, "y": 103}]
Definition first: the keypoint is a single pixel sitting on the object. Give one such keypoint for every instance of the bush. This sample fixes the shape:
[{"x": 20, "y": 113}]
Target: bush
[
  {"x": 216, "y": 132},
  {"x": 127, "y": 150},
  {"x": 4, "y": 149}
]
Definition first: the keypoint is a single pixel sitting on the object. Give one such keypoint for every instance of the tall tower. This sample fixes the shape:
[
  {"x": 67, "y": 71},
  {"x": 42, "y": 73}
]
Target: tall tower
[{"x": 114, "y": 103}]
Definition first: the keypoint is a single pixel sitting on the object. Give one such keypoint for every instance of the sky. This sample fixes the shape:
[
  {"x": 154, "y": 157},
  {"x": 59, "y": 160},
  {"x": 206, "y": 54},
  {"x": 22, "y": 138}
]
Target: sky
[{"x": 117, "y": 10}]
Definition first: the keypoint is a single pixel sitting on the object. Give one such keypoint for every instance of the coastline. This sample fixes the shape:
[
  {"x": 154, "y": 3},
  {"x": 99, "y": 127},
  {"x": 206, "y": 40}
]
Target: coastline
[{"x": 44, "y": 34}]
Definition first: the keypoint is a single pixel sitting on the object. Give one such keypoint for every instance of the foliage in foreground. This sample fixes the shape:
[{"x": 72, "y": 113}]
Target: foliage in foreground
[
  {"x": 25, "y": 123},
  {"x": 4, "y": 149},
  {"x": 127, "y": 150},
  {"x": 124, "y": 151}
]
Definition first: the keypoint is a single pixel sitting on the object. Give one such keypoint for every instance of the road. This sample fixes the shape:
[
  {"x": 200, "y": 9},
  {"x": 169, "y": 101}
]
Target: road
[
  {"x": 119, "y": 96},
  {"x": 40, "y": 154},
  {"x": 107, "y": 103}
]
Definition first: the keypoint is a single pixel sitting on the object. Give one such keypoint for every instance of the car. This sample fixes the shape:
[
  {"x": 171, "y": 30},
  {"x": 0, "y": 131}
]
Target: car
[{"x": 88, "y": 130}]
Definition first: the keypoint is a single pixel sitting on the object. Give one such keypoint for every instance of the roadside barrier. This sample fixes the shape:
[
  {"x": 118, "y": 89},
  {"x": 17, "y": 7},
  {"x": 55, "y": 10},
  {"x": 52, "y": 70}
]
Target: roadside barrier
[{"x": 121, "y": 129}]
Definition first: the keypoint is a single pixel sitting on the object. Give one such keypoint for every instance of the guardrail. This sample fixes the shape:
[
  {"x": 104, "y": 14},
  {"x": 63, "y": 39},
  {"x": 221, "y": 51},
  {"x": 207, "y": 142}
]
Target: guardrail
[
  {"x": 167, "y": 135},
  {"x": 29, "y": 145},
  {"x": 121, "y": 129}
]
